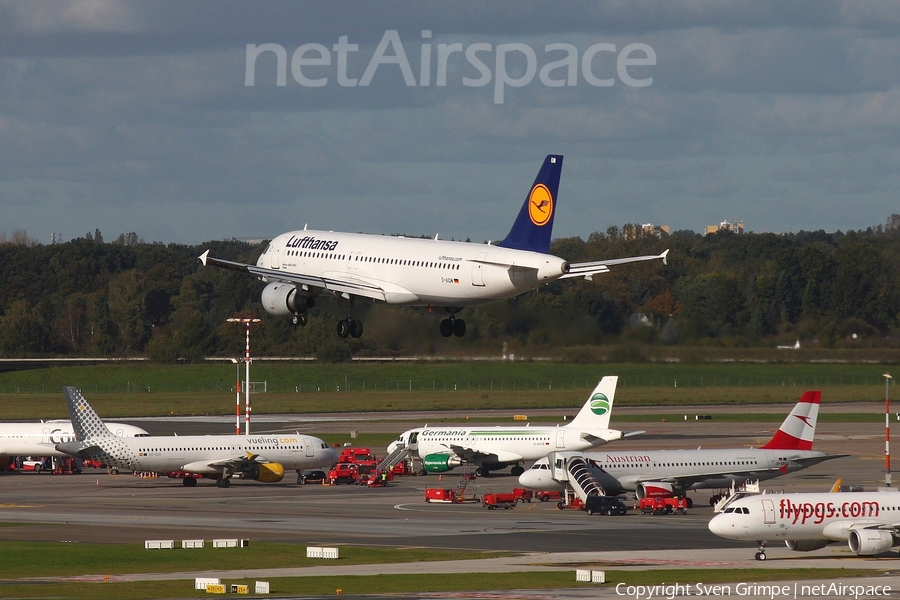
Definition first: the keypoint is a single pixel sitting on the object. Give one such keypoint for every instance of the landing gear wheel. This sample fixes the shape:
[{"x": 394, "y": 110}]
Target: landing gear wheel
[
  {"x": 356, "y": 328},
  {"x": 459, "y": 327},
  {"x": 343, "y": 328},
  {"x": 223, "y": 483},
  {"x": 300, "y": 319},
  {"x": 516, "y": 471},
  {"x": 447, "y": 328},
  {"x": 481, "y": 472},
  {"x": 189, "y": 482},
  {"x": 760, "y": 556}
]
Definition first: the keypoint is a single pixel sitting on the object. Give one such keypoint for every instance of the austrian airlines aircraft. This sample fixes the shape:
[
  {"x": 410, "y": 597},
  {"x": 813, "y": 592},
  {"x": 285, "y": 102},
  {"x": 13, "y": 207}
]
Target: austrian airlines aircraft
[
  {"x": 40, "y": 439},
  {"x": 494, "y": 448},
  {"x": 667, "y": 473},
  {"x": 868, "y": 521},
  {"x": 299, "y": 266},
  {"x": 258, "y": 457}
]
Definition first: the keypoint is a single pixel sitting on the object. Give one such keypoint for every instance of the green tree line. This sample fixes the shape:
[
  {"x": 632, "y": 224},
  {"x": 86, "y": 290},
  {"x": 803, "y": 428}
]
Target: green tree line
[{"x": 88, "y": 297}]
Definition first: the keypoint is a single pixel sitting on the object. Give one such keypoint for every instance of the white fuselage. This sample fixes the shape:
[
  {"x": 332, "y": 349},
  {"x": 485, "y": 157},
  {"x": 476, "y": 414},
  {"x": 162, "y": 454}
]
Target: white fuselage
[
  {"x": 507, "y": 444},
  {"x": 620, "y": 472},
  {"x": 197, "y": 453},
  {"x": 414, "y": 271},
  {"x": 40, "y": 438},
  {"x": 805, "y": 517}
]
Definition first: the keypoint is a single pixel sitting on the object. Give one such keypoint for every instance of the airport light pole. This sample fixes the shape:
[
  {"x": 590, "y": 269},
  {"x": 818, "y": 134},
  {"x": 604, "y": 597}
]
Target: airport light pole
[
  {"x": 247, "y": 361},
  {"x": 237, "y": 391},
  {"x": 887, "y": 431}
]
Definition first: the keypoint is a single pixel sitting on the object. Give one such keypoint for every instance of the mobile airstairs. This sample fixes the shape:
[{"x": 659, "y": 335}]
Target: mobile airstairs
[{"x": 574, "y": 471}]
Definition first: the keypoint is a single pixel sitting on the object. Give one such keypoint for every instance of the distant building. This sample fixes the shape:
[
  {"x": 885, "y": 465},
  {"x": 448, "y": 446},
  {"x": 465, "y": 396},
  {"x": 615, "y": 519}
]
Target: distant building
[
  {"x": 726, "y": 226},
  {"x": 654, "y": 230}
]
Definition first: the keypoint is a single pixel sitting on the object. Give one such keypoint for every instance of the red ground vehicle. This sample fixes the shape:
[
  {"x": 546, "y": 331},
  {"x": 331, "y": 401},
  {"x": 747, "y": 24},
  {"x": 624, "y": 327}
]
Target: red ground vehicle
[
  {"x": 343, "y": 473},
  {"x": 663, "y": 506},
  {"x": 359, "y": 456},
  {"x": 523, "y": 494},
  {"x": 499, "y": 500},
  {"x": 548, "y": 496}
]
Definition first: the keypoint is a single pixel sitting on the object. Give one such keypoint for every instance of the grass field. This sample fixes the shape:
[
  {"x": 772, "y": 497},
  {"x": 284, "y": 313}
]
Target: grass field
[
  {"x": 148, "y": 390},
  {"x": 63, "y": 565}
]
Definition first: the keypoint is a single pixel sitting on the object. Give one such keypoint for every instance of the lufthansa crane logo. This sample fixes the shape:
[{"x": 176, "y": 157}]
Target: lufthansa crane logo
[
  {"x": 599, "y": 404},
  {"x": 540, "y": 205}
]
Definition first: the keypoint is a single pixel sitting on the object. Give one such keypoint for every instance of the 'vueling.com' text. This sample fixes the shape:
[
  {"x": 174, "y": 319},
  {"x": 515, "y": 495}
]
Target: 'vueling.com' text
[{"x": 506, "y": 65}]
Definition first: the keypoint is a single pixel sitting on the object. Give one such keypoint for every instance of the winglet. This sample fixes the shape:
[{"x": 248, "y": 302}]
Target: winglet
[
  {"x": 203, "y": 257},
  {"x": 836, "y": 488},
  {"x": 663, "y": 256}
]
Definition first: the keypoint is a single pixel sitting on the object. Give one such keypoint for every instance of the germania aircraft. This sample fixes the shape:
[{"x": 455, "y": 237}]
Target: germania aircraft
[
  {"x": 868, "y": 521},
  {"x": 258, "y": 457},
  {"x": 494, "y": 448},
  {"x": 299, "y": 266},
  {"x": 667, "y": 473},
  {"x": 41, "y": 438}
]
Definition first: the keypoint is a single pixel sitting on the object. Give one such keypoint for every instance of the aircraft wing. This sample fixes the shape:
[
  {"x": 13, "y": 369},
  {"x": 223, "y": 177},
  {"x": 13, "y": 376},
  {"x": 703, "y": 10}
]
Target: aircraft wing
[
  {"x": 472, "y": 455},
  {"x": 355, "y": 287},
  {"x": 589, "y": 269},
  {"x": 814, "y": 460}
]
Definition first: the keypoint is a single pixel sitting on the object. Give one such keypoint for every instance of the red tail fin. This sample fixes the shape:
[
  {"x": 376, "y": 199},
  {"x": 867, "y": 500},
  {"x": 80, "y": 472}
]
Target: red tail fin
[{"x": 799, "y": 428}]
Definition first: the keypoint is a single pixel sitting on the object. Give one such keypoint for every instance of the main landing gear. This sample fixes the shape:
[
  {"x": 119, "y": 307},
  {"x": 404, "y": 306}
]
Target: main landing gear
[
  {"x": 761, "y": 554},
  {"x": 453, "y": 326},
  {"x": 349, "y": 327}
]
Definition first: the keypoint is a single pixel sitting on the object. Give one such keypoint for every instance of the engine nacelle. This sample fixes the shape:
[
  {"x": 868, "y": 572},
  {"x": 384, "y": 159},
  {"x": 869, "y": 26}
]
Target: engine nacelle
[
  {"x": 285, "y": 300},
  {"x": 805, "y": 545},
  {"x": 866, "y": 542},
  {"x": 265, "y": 472},
  {"x": 654, "y": 489},
  {"x": 441, "y": 463}
]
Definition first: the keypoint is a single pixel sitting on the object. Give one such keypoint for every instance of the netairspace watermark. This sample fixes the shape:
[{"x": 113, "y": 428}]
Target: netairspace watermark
[
  {"x": 757, "y": 590},
  {"x": 562, "y": 71}
]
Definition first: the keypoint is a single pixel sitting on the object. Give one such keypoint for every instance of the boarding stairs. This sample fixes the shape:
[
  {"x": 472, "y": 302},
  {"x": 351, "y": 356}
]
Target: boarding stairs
[
  {"x": 747, "y": 489},
  {"x": 392, "y": 459},
  {"x": 575, "y": 471}
]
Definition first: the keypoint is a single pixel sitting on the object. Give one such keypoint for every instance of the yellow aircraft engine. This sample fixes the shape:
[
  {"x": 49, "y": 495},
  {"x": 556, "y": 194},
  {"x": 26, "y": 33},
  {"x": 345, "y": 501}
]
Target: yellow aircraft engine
[{"x": 265, "y": 472}]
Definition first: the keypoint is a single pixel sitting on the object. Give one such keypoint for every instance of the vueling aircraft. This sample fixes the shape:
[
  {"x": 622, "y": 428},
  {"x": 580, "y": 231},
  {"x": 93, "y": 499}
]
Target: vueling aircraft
[
  {"x": 299, "y": 266},
  {"x": 667, "y": 473},
  {"x": 41, "y": 438},
  {"x": 259, "y": 457},
  {"x": 868, "y": 521},
  {"x": 494, "y": 448}
]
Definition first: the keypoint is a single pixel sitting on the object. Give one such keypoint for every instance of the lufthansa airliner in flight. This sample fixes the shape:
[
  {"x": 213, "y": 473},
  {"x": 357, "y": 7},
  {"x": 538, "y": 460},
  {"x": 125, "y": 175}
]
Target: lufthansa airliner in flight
[{"x": 299, "y": 266}]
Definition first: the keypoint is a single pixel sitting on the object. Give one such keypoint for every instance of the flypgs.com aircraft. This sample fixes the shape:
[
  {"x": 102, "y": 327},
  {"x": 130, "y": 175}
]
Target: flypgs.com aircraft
[
  {"x": 494, "y": 448},
  {"x": 41, "y": 438},
  {"x": 298, "y": 266},
  {"x": 668, "y": 473},
  {"x": 259, "y": 457},
  {"x": 868, "y": 521}
]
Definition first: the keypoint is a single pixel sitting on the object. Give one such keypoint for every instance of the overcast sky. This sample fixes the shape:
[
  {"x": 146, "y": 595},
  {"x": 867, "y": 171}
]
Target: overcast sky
[{"x": 160, "y": 118}]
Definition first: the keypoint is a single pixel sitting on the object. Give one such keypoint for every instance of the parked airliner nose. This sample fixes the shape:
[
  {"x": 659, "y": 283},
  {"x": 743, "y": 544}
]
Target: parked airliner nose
[
  {"x": 721, "y": 525},
  {"x": 530, "y": 479}
]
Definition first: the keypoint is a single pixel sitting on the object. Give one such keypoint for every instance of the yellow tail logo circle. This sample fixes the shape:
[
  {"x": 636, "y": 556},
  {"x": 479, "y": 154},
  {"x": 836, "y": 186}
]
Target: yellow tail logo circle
[{"x": 540, "y": 205}]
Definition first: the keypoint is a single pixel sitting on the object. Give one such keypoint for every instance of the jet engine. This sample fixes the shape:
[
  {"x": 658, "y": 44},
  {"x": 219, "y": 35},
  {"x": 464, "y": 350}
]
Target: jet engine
[
  {"x": 866, "y": 542},
  {"x": 654, "y": 489},
  {"x": 440, "y": 463},
  {"x": 805, "y": 545},
  {"x": 264, "y": 472},
  {"x": 285, "y": 300}
]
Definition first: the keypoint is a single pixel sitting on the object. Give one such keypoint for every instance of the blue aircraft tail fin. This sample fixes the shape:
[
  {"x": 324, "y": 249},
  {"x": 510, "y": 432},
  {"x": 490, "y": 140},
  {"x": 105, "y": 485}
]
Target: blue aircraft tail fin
[{"x": 533, "y": 226}]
